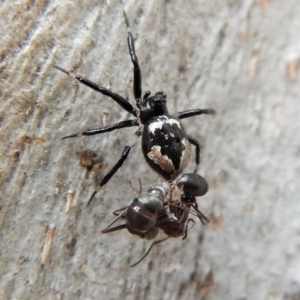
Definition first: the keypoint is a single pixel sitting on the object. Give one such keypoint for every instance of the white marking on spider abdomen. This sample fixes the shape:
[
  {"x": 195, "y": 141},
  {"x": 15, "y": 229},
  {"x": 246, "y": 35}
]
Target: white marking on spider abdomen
[
  {"x": 185, "y": 157},
  {"x": 161, "y": 120},
  {"x": 163, "y": 161}
]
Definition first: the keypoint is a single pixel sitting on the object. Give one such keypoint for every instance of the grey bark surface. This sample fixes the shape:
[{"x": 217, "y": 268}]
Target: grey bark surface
[{"x": 240, "y": 58}]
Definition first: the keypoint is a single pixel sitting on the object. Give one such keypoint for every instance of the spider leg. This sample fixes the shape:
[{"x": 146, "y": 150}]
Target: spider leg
[
  {"x": 197, "y": 145},
  {"x": 195, "y": 112},
  {"x": 123, "y": 157},
  {"x": 137, "y": 77},
  {"x": 123, "y": 124},
  {"x": 119, "y": 99},
  {"x": 119, "y": 163}
]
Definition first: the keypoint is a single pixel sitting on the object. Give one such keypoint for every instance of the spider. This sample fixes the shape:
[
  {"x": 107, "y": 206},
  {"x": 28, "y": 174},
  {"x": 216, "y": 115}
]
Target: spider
[{"x": 165, "y": 144}]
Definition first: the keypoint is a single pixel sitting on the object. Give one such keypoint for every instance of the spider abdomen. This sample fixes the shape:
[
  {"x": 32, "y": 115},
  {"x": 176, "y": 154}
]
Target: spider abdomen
[{"x": 165, "y": 146}]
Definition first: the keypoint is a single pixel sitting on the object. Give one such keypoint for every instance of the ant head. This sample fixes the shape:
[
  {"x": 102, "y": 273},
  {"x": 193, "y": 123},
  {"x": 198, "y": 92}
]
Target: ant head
[{"x": 193, "y": 184}]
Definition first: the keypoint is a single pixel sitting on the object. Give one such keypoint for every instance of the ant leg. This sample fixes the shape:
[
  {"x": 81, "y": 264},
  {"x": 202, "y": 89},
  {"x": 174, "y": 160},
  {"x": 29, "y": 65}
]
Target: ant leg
[
  {"x": 186, "y": 229},
  {"x": 196, "y": 144},
  {"x": 137, "y": 77},
  {"x": 117, "y": 212},
  {"x": 202, "y": 217},
  {"x": 195, "y": 112},
  {"x": 116, "y": 228},
  {"x": 123, "y": 124},
  {"x": 119, "y": 163},
  {"x": 119, "y": 99},
  {"x": 119, "y": 227},
  {"x": 154, "y": 243}
]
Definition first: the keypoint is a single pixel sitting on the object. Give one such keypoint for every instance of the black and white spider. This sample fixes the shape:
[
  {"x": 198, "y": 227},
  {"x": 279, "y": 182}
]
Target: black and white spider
[{"x": 165, "y": 144}]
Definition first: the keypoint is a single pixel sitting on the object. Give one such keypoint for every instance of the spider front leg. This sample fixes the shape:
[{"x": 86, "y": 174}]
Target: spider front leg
[
  {"x": 137, "y": 77},
  {"x": 123, "y": 124},
  {"x": 117, "y": 98},
  {"x": 195, "y": 112}
]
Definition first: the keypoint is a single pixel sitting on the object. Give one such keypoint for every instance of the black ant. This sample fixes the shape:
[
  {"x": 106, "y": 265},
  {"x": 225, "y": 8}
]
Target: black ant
[{"x": 151, "y": 211}]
